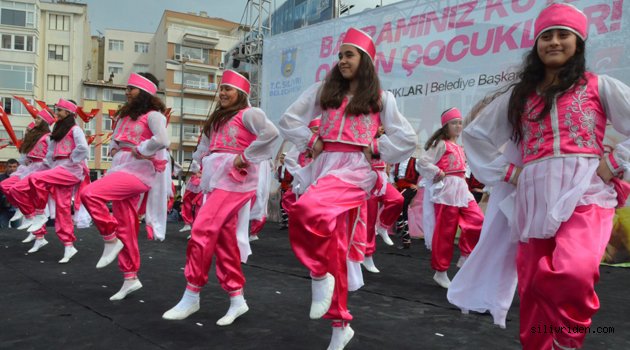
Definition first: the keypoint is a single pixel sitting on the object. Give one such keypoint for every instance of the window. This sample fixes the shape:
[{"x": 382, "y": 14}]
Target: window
[
  {"x": 91, "y": 152},
  {"x": 89, "y": 93},
  {"x": 191, "y": 132},
  {"x": 115, "y": 67},
  {"x": 58, "y": 82},
  {"x": 116, "y": 45},
  {"x": 19, "y": 134},
  {"x": 58, "y": 52},
  {"x": 196, "y": 106},
  {"x": 14, "y": 77},
  {"x": 107, "y": 123},
  {"x": 15, "y": 13},
  {"x": 59, "y": 22},
  {"x": 114, "y": 95},
  {"x": 141, "y": 47},
  {"x": 138, "y": 68},
  {"x": 175, "y": 130},
  {"x": 194, "y": 54},
  {"x": 18, "y": 42},
  {"x": 15, "y": 107},
  {"x": 90, "y": 127},
  {"x": 105, "y": 153}
]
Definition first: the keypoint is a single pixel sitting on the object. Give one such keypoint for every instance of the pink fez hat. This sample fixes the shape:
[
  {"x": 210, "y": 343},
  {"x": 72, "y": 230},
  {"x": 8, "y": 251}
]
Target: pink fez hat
[
  {"x": 235, "y": 80},
  {"x": 361, "y": 40},
  {"x": 67, "y": 105},
  {"x": 142, "y": 83},
  {"x": 450, "y": 114},
  {"x": 561, "y": 16},
  {"x": 46, "y": 116}
]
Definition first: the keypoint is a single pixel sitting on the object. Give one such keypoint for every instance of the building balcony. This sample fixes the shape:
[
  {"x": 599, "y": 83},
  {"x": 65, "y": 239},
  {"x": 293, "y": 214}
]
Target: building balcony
[
  {"x": 195, "y": 116},
  {"x": 201, "y": 65},
  {"x": 201, "y": 38},
  {"x": 190, "y": 139},
  {"x": 200, "y": 88}
]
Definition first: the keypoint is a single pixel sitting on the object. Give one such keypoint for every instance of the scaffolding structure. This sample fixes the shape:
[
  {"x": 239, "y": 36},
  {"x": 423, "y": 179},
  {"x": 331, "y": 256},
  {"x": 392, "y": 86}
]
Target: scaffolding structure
[{"x": 255, "y": 26}]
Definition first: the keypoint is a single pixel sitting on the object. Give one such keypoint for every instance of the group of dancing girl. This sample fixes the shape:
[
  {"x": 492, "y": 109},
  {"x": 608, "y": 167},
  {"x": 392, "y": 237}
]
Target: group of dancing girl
[{"x": 536, "y": 144}]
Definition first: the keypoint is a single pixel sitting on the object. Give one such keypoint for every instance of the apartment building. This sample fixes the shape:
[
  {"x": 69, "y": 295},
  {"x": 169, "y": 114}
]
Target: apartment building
[
  {"x": 185, "y": 54},
  {"x": 43, "y": 49}
]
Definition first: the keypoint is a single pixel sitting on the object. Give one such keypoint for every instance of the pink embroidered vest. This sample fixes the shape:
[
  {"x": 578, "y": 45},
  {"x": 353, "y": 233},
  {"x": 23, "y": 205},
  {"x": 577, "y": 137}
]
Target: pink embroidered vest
[
  {"x": 359, "y": 130},
  {"x": 232, "y": 137},
  {"x": 38, "y": 152},
  {"x": 453, "y": 160},
  {"x": 65, "y": 146},
  {"x": 575, "y": 124},
  {"x": 133, "y": 131}
]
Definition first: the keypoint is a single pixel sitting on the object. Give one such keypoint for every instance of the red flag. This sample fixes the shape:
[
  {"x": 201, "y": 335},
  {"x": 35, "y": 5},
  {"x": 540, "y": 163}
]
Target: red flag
[
  {"x": 9, "y": 128},
  {"x": 86, "y": 117},
  {"x": 91, "y": 138},
  {"x": 31, "y": 110},
  {"x": 113, "y": 117},
  {"x": 43, "y": 105},
  {"x": 106, "y": 139}
]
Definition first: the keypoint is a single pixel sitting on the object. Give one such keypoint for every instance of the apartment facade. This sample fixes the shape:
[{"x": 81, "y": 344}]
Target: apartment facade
[
  {"x": 43, "y": 50},
  {"x": 185, "y": 54},
  {"x": 189, "y": 62}
]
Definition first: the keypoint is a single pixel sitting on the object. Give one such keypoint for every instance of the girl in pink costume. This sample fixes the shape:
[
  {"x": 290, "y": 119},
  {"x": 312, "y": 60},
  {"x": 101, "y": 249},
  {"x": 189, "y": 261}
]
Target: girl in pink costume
[
  {"x": 16, "y": 187},
  {"x": 66, "y": 157},
  {"x": 454, "y": 205},
  {"x": 564, "y": 200},
  {"x": 234, "y": 140},
  {"x": 382, "y": 212},
  {"x": 139, "y": 160},
  {"x": 352, "y": 106},
  {"x": 193, "y": 197}
]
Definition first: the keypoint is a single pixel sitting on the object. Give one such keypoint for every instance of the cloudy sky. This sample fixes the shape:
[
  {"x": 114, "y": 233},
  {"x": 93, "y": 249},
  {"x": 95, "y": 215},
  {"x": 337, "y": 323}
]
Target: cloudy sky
[{"x": 145, "y": 15}]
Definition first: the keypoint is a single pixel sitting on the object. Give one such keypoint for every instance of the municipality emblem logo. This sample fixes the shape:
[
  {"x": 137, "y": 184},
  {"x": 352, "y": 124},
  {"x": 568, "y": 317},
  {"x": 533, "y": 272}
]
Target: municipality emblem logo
[{"x": 288, "y": 62}]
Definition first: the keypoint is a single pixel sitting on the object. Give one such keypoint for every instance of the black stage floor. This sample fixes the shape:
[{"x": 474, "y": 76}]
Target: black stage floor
[{"x": 45, "y": 305}]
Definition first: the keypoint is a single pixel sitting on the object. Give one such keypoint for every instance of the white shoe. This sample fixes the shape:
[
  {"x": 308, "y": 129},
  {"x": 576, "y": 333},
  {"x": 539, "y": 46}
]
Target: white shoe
[
  {"x": 322, "y": 292},
  {"x": 29, "y": 238},
  {"x": 461, "y": 261},
  {"x": 557, "y": 346},
  {"x": 68, "y": 253},
  {"x": 128, "y": 287},
  {"x": 442, "y": 279},
  {"x": 110, "y": 252},
  {"x": 26, "y": 223},
  {"x": 39, "y": 243},
  {"x": 17, "y": 216},
  {"x": 368, "y": 263},
  {"x": 238, "y": 306},
  {"x": 189, "y": 237},
  {"x": 253, "y": 238},
  {"x": 341, "y": 336},
  {"x": 185, "y": 228},
  {"x": 38, "y": 222},
  {"x": 188, "y": 305},
  {"x": 384, "y": 235}
]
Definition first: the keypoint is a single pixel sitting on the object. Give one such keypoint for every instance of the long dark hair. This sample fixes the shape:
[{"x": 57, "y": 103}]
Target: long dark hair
[
  {"x": 62, "y": 127},
  {"x": 530, "y": 77},
  {"x": 33, "y": 135},
  {"x": 222, "y": 115},
  {"x": 368, "y": 95},
  {"x": 144, "y": 102}
]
